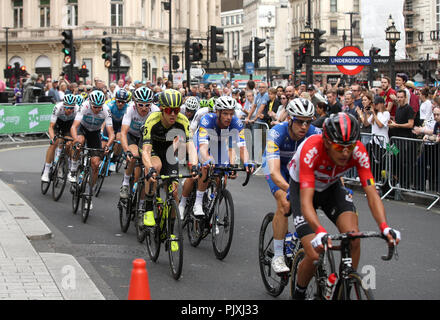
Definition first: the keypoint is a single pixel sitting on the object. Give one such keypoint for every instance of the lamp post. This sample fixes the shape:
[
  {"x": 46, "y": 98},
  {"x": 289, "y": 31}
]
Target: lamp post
[
  {"x": 308, "y": 36},
  {"x": 392, "y": 36},
  {"x": 167, "y": 6},
  {"x": 7, "y": 45},
  {"x": 267, "y": 56}
]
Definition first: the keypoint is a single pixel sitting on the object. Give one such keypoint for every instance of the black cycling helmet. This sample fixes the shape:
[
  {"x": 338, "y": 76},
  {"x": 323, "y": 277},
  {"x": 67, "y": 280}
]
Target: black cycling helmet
[{"x": 341, "y": 128}]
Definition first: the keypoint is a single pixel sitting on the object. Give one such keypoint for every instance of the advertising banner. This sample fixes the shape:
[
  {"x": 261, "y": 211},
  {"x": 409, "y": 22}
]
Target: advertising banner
[{"x": 31, "y": 118}]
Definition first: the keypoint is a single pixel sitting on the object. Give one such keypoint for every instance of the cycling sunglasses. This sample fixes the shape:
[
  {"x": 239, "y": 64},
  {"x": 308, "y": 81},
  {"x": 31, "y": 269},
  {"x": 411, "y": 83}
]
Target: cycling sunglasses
[
  {"x": 121, "y": 101},
  {"x": 302, "y": 122},
  {"x": 94, "y": 106},
  {"x": 171, "y": 110},
  {"x": 340, "y": 147},
  {"x": 143, "y": 105}
]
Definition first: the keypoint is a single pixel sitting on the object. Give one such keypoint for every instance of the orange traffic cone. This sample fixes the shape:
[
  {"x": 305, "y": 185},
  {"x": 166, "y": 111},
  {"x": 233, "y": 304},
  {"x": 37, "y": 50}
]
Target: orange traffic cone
[{"x": 139, "y": 287}]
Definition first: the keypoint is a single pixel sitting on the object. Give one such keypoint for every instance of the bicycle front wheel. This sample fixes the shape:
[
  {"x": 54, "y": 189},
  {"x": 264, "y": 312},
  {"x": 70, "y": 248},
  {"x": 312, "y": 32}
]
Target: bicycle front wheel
[
  {"x": 124, "y": 206},
  {"x": 272, "y": 282},
  {"x": 59, "y": 178},
  {"x": 151, "y": 234},
  {"x": 223, "y": 225},
  {"x": 353, "y": 289},
  {"x": 86, "y": 199},
  {"x": 313, "y": 291},
  {"x": 45, "y": 185},
  {"x": 174, "y": 243},
  {"x": 101, "y": 177}
]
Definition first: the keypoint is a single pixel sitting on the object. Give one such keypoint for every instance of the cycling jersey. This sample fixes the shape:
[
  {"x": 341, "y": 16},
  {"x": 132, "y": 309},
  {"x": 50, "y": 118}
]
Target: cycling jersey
[
  {"x": 160, "y": 137},
  {"x": 90, "y": 120},
  {"x": 59, "y": 114},
  {"x": 134, "y": 120},
  {"x": 312, "y": 167},
  {"x": 117, "y": 114},
  {"x": 220, "y": 140},
  {"x": 197, "y": 117}
]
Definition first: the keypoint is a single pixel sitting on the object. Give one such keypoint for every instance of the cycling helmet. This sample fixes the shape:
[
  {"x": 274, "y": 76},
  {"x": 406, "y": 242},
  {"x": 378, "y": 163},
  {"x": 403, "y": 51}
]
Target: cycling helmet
[
  {"x": 341, "y": 128},
  {"x": 300, "y": 107},
  {"x": 129, "y": 95},
  {"x": 84, "y": 95},
  {"x": 211, "y": 104},
  {"x": 69, "y": 100},
  {"x": 191, "y": 104},
  {"x": 79, "y": 99},
  {"x": 143, "y": 94},
  {"x": 121, "y": 95},
  {"x": 97, "y": 98},
  {"x": 170, "y": 98},
  {"x": 225, "y": 103},
  {"x": 156, "y": 98},
  {"x": 204, "y": 103}
]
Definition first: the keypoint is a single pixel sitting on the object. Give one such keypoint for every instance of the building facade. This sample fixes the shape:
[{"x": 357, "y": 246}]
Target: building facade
[{"x": 140, "y": 26}]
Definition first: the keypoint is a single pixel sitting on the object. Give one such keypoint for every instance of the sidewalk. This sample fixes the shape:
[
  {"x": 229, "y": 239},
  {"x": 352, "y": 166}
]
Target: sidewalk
[{"x": 26, "y": 274}]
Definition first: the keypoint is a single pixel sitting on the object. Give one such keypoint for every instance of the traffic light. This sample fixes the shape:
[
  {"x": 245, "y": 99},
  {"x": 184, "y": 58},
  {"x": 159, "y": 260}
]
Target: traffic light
[
  {"x": 117, "y": 59},
  {"x": 176, "y": 60},
  {"x": 107, "y": 51},
  {"x": 374, "y": 51},
  {"x": 297, "y": 60},
  {"x": 257, "y": 49},
  {"x": 22, "y": 71},
  {"x": 216, "y": 39},
  {"x": 8, "y": 72},
  {"x": 145, "y": 68},
  {"x": 302, "y": 53},
  {"x": 196, "y": 51},
  {"x": 68, "y": 50},
  {"x": 84, "y": 72},
  {"x": 318, "y": 42}
]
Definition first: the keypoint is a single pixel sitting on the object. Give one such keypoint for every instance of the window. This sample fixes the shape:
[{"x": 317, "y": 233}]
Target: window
[
  {"x": 356, "y": 28},
  {"x": 18, "y": 13},
  {"x": 409, "y": 37},
  {"x": 408, "y": 5},
  {"x": 437, "y": 14},
  {"x": 356, "y": 5},
  {"x": 72, "y": 13},
  {"x": 333, "y": 27},
  {"x": 44, "y": 13},
  {"x": 232, "y": 19},
  {"x": 409, "y": 22},
  {"x": 117, "y": 12},
  {"x": 333, "y": 5}
]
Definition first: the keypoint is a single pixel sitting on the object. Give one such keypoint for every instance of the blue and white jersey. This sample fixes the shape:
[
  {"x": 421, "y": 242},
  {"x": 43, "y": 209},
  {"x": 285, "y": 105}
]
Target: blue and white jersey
[
  {"x": 220, "y": 140},
  {"x": 279, "y": 144},
  {"x": 92, "y": 121},
  {"x": 135, "y": 121},
  {"x": 59, "y": 113},
  {"x": 117, "y": 114}
]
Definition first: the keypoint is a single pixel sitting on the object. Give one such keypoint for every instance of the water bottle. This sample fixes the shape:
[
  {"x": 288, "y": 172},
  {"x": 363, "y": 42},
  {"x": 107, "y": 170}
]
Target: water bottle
[
  {"x": 330, "y": 286},
  {"x": 80, "y": 177},
  {"x": 289, "y": 244},
  {"x": 135, "y": 187}
]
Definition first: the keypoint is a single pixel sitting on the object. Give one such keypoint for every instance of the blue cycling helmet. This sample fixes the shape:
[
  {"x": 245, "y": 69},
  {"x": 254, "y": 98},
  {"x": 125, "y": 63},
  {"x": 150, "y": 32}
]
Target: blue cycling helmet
[
  {"x": 122, "y": 95},
  {"x": 69, "y": 100},
  {"x": 97, "y": 98},
  {"x": 79, "y": 99},
  {"x": 143, "y": 94}
]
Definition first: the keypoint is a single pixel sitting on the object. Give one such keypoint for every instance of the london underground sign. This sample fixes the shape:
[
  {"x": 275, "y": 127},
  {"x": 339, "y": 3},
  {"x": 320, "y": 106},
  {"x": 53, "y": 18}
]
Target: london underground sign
[{"x": 350, "y": 60}]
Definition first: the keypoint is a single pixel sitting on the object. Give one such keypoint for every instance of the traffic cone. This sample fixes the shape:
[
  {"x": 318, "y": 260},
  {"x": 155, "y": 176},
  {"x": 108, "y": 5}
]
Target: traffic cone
[{"x": 139, "y": 287}]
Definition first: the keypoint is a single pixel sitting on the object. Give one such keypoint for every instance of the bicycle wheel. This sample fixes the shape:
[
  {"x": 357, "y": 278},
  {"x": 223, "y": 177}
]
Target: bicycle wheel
[
  {"x": 101, "y": 177},
  {"x": 59, "y": 178},
  {"x": 313, "y": 291},
  {"x": 193, "y": 225},
  {"x": 152, "y": 234},
  {"x": 272, "y": 282},
  {"x": 120, "y": 162},
  {"x": 174, "y": 242},
  {"x": 125, "y": 207},
  {"x": 45, "y": 185},
  {"x": 223, "y": 225},
  {"x": 355, "y": 289},
  {"x": 86, "y": 199}
]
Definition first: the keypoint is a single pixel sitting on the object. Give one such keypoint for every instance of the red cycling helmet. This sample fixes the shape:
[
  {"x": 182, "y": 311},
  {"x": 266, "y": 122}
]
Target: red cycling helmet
[{"x": 341, "y": 128}]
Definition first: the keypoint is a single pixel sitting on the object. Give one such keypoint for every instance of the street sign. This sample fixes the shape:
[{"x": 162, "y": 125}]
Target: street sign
[
  {"x": 197, "y": 72},
  {"x": 350, "y": 69},
  {"x": 249, "y": 68}
]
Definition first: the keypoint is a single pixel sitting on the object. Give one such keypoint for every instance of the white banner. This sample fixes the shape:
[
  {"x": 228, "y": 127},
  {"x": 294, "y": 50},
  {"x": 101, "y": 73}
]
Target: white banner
[{"x": 375, "y": 14}]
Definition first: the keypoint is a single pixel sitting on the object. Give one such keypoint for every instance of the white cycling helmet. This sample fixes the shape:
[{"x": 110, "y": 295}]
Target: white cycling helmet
[
  {"x": 192, "y": 104},
  {"x": 300, "y": 107},
  {"x": 225, "y": 103}
]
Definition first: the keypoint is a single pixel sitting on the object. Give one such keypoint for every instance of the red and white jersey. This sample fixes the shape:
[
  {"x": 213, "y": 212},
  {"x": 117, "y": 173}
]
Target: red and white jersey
[{"x": 312, "y": 167}]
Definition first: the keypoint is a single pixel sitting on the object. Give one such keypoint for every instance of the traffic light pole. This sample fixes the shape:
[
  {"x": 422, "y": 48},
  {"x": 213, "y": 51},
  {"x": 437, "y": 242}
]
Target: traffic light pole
[
  {"x": 170, "y": 74},
  {"x": 118, "y": 59},
  {"x": 187, "y": 58},
  {"x": 309, "y": 70}
]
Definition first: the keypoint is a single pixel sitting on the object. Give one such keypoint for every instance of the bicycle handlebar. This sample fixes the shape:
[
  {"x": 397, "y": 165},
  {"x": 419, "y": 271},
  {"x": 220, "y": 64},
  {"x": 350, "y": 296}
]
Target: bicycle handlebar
[
  {"x": 226, "y": 169},
  {"x": 62, "y": 137},
  {"x": 106, "y": 139}
]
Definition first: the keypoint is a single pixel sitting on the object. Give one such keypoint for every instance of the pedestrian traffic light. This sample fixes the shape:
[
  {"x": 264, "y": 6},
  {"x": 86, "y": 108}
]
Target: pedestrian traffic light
[
  {"x": 318, "y": 41},
  {"x": 176, "y": 65},
  {"x": 107, "y": 51},
  {"x": 302, "y": 54},
  {"x": 258, "y": 48},
  {"x": 216, "y": 39},
  {"x": 145, "y": 68},
  {"x": 84, "y": 72},
  {"x": 68, "y": 50},
  {"x": 196, "y": 51}
]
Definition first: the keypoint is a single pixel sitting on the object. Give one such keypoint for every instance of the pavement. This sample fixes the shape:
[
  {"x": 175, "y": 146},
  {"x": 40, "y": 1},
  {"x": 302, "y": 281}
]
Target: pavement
[{"x": 26, "y": 274}]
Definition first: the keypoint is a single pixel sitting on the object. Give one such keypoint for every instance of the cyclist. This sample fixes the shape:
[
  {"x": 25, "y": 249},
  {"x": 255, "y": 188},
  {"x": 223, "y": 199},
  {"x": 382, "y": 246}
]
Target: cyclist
[
  {"x": 160, "y": 132},
  {"x": 315, "y": 172},
  {"x": 281, "y": 144},
  {"x": 87, "y": 128},
  {"x": 206, "y": 106},
  {"x": 60, "y": 123},
  {"x": 137, "y": 113},
  {"x": 79, "y": 100},
  {"x": 118, "y": 108},
  {"x": 190, "y": 107},
  {"x": 217, "y": 133}
]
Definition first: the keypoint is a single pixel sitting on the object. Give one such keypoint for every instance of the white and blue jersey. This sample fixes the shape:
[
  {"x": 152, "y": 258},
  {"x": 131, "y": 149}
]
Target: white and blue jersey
[
  {"x": 220, "y": 140},
  {"x": 280, "y": 146},
  {"x": 117, "y": 114}
]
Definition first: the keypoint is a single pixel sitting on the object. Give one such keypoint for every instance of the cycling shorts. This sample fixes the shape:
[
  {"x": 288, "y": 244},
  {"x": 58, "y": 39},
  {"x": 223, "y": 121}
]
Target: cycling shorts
[
  {"x": 273, "y": 187},
  {"x": 93, "y": 139},
  {"x": 167, "y": 167},
  {"x": 131, "y": 139},
  {"x": 63, "y": 127},
  {"x": 334, "y": 201}
]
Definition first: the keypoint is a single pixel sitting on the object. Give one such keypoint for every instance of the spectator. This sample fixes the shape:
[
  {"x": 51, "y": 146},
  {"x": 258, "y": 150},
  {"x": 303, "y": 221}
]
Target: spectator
[
  {"x": 388, "y": 94},
  {"x": 270, "y": 111},
  {"x": 250, "y": 85},
  {"x": 226, "y": 92},
  {"x": 280, "y": 92},
  {"x": 248, "y": 106},
  {"x": 168, "y": 84},
  {"x": 28, "y": 92},
  {"x": 315, "y": 97},
  {"x": 2, "y": 86},
  {"x": 364, "y": 113},
  {"x": 414, "y": 100},
  {"x": 341, "y": 96},
  {"x": 261, "y": 101},
  {"x": 401, "y": 79},
  {"x": 281, "y": 113},
  {"x": 356, "y": 89},
  {"x": 333, "y": 105},
  {"x": 321, "y": 108},
  {"x": 112, "y": 91},
  {"x": 290, "y": 93},
  {"x": 62, "y": 90},
  {"x": 349, "y": 106},
  {"x": 426, "y": 106},
  {"x": 225, "y": 79}
]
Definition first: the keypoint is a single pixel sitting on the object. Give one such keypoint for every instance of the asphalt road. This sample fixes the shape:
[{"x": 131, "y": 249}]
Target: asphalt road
[{"x": 107, "y": 254}]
